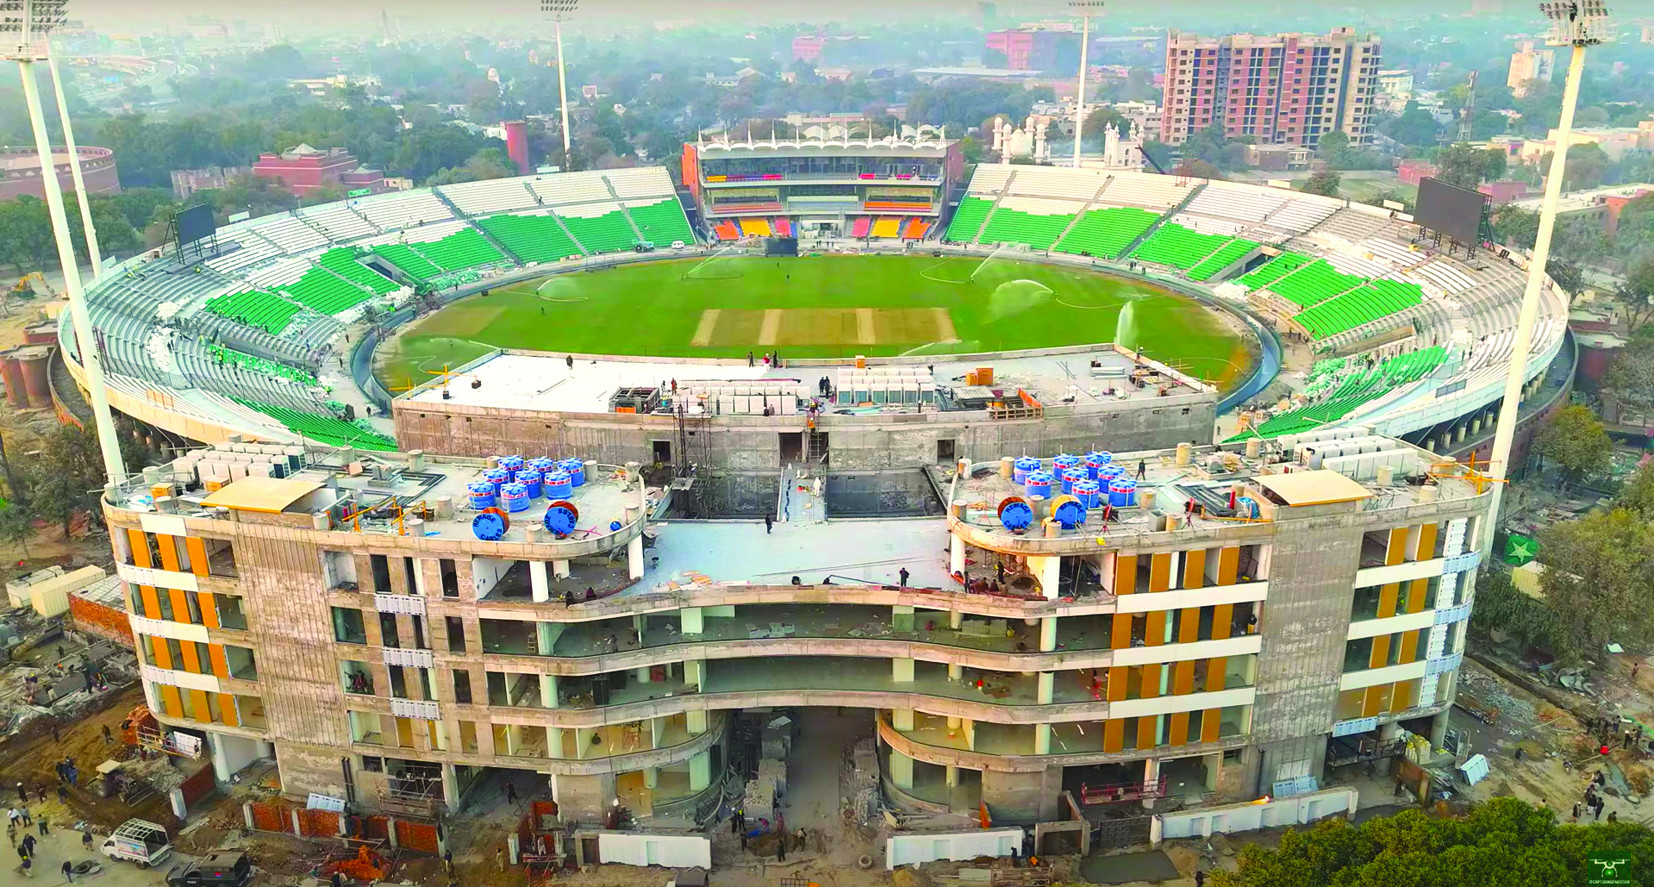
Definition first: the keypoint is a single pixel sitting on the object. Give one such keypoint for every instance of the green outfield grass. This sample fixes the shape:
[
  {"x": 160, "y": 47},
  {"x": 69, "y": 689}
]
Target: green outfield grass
[{"x": 821, "y": 306}]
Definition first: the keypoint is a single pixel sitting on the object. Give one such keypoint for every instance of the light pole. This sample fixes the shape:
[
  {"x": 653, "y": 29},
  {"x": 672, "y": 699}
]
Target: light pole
[
  {"x": 1576, "y": 23},
  {"x": 560, "y": 9},
  {"x": 1086, "y": 8},
  {"x": 31, "y": 21},
  {"x": 84, "y": 198}
]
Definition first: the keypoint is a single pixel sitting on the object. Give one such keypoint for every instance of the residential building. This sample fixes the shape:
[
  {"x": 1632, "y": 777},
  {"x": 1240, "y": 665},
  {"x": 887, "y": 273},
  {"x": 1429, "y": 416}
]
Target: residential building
[
  {"x": 348, "y": 615},
  {"x": 1281, "y": 89},
  {"x": 1395, "y": 89},
  {"x": 1614, "y": 141},
  {"x": 1528, "y": 64},
  {"x": 1278, "y": 157}
]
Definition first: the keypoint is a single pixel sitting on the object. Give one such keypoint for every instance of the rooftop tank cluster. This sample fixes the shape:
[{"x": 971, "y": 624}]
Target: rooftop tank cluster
[
  {"x": 1071, "y": 485},
  {"x": 514, "y": 483}
]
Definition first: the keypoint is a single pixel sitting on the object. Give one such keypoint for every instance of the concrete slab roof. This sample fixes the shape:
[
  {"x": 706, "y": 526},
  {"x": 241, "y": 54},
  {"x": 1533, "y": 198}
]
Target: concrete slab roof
[
  {"x": 849, "y": 551},
  {"x": 270, "y": 495},
  {"x": 1314, "y": 487}
]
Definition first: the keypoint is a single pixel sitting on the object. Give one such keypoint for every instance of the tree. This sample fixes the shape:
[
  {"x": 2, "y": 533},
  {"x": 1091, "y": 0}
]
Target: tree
[
  {"x": 1502, "y": 843},
  {"x": 1334, "y": 148},
  {"x": 1195, "y": 168},
  {"x": 1631, "y": 376},
  {"x": 1104, "y": 117},
  {"x": 1157, "y": 151},
  {"x": 1638, "y": 492},
  {"x": 17, "y": 524},
  {"x": 1637, "y": 294},
  {"x": 1575, "y": 440},
  {"x": 1596, "y": 572},
  {"x": 1415, "y": 126},
  {"x": 1588, "y": 167},
  {"x": 1468, "y": 167},
  {"x": 67, "y": 477},
  {"x": 1635, "y": 231},
  {"x": 1324, "y": 183},
  {"x": 1516, "y": 226},
  {"x": 1530, "y": 621},
  {"x": 489, "y": 163}
]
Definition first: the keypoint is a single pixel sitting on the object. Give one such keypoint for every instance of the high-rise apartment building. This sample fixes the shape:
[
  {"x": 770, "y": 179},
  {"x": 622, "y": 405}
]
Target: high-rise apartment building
[
  {"x": 1282, "y": 89},
  {"x": 360, "y": 619},
  {"x": 1527, "y": 64}
]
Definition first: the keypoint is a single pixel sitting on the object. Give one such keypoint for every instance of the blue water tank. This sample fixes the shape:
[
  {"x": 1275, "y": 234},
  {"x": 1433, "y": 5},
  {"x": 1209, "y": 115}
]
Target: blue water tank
[
  {"x": 1021, "y": 468},
  {"x": 1094, "y": 462},
  {"x": 1039, "y": 484},
  {"x": 1108, "y": 473},
  {"x": 1088, "y": 492},
  {"x": 530, "y": 478},
  {"x": 1062, "y": 462},
  {"x": 482, "y": 494},
  {"x": 1122, "y": 491},
  {"x": 1069, "y": 476},
  {"x": 576, "y": 470},
  {"x": 497, "y": 477},
  {"x": 543, "y": 465},
  {"x": 515, "y": 496},
  {"x": 512, "y": 464},
  {"x": 558, "y": 485}
]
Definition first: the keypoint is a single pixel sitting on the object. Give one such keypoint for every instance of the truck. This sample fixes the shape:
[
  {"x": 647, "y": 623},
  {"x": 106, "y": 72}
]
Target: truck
[
  {"x": 221, "y": 868},
  {"x": 135, "y": 840}
]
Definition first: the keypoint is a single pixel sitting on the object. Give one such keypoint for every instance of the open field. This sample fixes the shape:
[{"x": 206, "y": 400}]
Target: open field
[{"x": 821, "y": 306}]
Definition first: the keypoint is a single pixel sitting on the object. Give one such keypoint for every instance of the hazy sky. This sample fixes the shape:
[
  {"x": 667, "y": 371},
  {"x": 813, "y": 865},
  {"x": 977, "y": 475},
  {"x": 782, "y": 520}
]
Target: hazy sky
[{"x": 307, "y": 15}]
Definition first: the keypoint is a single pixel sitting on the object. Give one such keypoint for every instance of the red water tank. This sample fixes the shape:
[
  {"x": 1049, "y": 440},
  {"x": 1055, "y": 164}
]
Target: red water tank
[
  {"x": 12, "y": 371},
  {"x": 516, "y": 144},
  {"x": 36, "y": 360}
]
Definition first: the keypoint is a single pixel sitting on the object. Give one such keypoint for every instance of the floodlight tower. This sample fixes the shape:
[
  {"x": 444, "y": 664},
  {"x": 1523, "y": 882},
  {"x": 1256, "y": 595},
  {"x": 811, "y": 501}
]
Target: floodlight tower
[
  {"x": 82, "y": 196},
  {"x": 1086, "y": 9},
  {"x": 1575, "y": 23},
  {"x": 30, "y": 22},
  {"x": 559, "y": 10}
]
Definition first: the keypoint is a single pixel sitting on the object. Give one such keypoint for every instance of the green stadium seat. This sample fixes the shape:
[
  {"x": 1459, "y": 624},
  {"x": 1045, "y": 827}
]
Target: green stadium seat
[
  {"x": 1107, "y": 232},
  {"x": 1274, "y": 270},
  {"x": 253, "y": 362},
  {"x": 662, "y": 223},
  {"x": 1035, "y": 230},
  {"x": 326, "y": 429},
  {"x": 1180, "y": 247},
  {"x": 1363, "y": 305},
  {"x": 607, "y": 233},
  {"x": 967, "y": 219},
  {"x": 532, "y": 238},
  {"x": 460, "y": 250},
  {"x": 1227, "y": 255},
  {"x": 1313, "y": 283},
  {"x": 1351, "y": 393},
  {"x": 256, "y": 308}
]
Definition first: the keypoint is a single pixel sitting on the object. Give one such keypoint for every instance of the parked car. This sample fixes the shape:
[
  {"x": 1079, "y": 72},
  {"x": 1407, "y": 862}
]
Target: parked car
[
  {"x": 135, "y": 840},
  {"x": 221, "y": 868}
]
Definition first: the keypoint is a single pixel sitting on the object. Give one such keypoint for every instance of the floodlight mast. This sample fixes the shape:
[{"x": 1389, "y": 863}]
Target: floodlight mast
[
  {"x": 1086, "y": 8},
  {"x": 559, "y": 10},
  {"x": 32, "y": 21},
  {"x": 1575, "y": 23}
]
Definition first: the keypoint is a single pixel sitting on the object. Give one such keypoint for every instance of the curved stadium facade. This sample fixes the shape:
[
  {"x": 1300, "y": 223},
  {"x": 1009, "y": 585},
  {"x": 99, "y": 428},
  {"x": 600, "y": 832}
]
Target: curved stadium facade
[{"x": 301, "y": 590}]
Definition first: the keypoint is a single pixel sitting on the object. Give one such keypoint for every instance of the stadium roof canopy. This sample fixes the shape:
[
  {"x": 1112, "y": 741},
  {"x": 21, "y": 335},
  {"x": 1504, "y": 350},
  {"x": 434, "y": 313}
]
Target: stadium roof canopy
[{"x": 713, "y": 151}]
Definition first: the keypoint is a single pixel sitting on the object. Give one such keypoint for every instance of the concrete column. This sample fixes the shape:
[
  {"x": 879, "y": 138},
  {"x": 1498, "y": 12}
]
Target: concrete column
[
  {"x": 1438, "y": 730},
  {"x": 548, "y": 691},
  {"x": 220, "y": 762},
  {"x": 641, "y": 673},
  {"x": 512, "y": 740},
  {"x": 1446, "y": 440},
  {"x": 657, "y": 728},
  {"x": 1047, "y": 687},
  {"x": 901, "y": 671},
  {"x": 956, "y": 620},
  {"x": 956, "y": 555},
  {"x": 901, "y": 770},
  {"x": 693, "y": 623},
  {"x": 1042, "y": 739},
  {"x": 554, "y": 742},
  {"x": 1048, "y": 570},
  {"x": 970, "y": 732},
  {"x": 901, "y": 618},
  {"x": 539, "y": 585},
  {"x": 450, "y": 788},
  {"x": 1476, "y": 425},
  {"x": 560, "y": 569},
  {"x": 695, "y": 720},
  {"x": 956, "y": 672},
  {"x": 634, "y": 548},
  {"x": 1459, "y": 434},
  {"x": 266, "y": 748},
  {"x": 953, "y": 776},
  {"x": 1048, "y": 634},
  {"x": 651, "y": 777},
  {"x": 700, "y": 770},
  {"x": 545, "y": 637},
  {"x": 1151, "y": 776},
  {"x": 694, "y": 673},
  {"x": 582, "y": 741},
  {"x": 1214, "y": 770},
  {"x": 953, "y": 722},
  {"x": 902, "y": 719}
]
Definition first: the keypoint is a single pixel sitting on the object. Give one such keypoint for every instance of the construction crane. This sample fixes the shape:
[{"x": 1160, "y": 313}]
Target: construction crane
[{"x": 1469, "y": 111}]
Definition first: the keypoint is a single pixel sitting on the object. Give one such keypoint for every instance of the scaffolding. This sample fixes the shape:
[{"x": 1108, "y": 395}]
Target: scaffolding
[{"x": 693, "y": 453}]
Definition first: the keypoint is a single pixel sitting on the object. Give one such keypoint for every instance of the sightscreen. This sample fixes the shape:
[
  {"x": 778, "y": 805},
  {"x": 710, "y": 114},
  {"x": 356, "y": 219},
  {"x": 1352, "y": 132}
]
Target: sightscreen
[
  {"x": 195, "y": 223},
  {"x": 1454, "y": 211}
]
